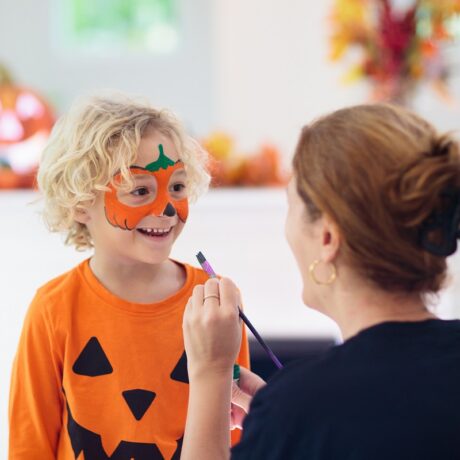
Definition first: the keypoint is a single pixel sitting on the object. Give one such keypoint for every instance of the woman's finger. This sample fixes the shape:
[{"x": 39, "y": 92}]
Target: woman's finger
[
  {"x": 240, "y": 398},
  {"x": 211, "y": 293},
  {"x": 188, "y": 306},
  {"x": 237, "y": 416},
  {"x": 229, "y": 295},
  {"x": 197, "y": 296}
]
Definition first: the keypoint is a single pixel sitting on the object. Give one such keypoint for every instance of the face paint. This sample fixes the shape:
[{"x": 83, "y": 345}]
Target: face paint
[{"x": 126, "y": 211}]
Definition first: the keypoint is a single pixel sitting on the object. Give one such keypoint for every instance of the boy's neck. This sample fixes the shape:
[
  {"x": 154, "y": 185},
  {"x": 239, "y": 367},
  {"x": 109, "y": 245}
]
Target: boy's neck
[{"x": 139, "y": 283}]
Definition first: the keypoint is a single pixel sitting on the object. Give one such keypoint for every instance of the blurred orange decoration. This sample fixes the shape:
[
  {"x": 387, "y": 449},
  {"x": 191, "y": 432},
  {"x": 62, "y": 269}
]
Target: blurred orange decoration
[
  {"x": 230, "y": 168},
  {"x": 25, "y": 123},
  {"x": 400, "y": 43}
]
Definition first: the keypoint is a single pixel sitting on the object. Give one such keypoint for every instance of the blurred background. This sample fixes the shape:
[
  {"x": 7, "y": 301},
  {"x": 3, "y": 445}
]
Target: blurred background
[{"x": 243, "y": 76}]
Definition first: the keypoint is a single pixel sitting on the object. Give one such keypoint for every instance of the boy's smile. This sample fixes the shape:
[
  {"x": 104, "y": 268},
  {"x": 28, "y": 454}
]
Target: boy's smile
[{"x": 156, "y": 235}]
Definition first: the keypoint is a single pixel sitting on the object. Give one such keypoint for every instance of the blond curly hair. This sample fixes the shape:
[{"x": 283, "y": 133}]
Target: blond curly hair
[{"x": 97, "y": 138}]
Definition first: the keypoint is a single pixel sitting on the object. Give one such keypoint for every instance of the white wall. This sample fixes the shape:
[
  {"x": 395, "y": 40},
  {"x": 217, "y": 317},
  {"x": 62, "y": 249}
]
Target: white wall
[
  {"x": 274, "y": 74},
  {"x": 183, "y": 80},
  {"x": 258, "y": 69}
]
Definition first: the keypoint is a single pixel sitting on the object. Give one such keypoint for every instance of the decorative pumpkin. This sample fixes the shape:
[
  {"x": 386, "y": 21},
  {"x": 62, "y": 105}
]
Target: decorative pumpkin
[
  {"x": 225, "y": 173},
  {"x": 220, "y": 145},
  {"x": 264, "y": 168},
  {"x": 225, "y": 164},
  {"x": 25, "y": 123},
  {"x": 228, "y": 167}
]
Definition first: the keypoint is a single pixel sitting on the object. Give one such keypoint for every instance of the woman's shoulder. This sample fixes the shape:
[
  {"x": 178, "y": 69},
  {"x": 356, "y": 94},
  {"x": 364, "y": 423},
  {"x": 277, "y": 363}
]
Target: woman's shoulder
[
  {"x": 394, "y": 369},
  {"x": 303, "y": 381},
  {"x": 315, "y": 368},
  {"x": 367, "y": 362}
]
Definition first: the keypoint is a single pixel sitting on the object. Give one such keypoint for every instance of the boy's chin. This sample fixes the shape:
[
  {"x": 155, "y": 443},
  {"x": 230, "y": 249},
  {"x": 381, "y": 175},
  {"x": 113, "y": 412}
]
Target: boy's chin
[
  {"x": 154, "y": 250},
  {"x": 154, "y": 257}
]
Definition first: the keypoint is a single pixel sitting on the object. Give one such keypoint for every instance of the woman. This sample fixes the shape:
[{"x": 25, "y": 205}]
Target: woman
[{"x": 374, "y": 210}]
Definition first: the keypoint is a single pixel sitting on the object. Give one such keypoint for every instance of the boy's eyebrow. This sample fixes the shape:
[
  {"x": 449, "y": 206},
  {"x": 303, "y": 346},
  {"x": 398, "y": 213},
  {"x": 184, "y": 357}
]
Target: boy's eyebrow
[{"x": 137, "y": 167}]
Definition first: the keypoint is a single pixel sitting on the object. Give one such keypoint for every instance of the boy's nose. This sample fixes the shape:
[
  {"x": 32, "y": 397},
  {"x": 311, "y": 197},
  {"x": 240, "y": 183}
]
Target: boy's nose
[
  {"x": 138, "y": 401},
  {"x": 169, "y": 211}
]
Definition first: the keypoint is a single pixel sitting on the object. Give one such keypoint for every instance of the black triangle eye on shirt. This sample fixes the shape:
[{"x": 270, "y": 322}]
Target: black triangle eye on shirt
[
  {"x": 180, "y": 373},
  {"x": 92, "y": 360}
]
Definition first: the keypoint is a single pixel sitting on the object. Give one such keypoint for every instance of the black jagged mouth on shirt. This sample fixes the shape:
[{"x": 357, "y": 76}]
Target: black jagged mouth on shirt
[{"x": 90, "y": 443}]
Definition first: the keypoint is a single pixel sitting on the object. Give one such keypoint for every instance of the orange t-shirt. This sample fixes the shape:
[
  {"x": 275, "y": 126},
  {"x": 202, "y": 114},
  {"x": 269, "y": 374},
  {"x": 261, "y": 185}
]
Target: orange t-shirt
[{"x": 96, "y": 377}]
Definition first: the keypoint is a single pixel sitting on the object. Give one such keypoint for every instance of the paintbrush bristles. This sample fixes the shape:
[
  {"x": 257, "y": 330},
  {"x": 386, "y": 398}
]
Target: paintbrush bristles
[{"x": 201, "y": 258}]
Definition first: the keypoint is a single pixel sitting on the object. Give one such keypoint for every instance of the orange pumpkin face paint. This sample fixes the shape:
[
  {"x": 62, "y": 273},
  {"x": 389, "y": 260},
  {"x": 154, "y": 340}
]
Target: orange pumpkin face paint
[{"x": 127, "y": 213}]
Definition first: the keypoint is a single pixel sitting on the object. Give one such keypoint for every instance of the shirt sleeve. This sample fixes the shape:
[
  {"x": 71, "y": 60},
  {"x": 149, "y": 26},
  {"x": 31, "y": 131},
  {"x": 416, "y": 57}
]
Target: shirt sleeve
[
  {"x": 36, "y": 399},
  {"x": 243, "y": 360},
  {"x": 243, "y": 356}
]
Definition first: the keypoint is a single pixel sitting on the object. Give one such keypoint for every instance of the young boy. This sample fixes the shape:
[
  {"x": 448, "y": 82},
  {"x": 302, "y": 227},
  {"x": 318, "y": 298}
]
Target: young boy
[{"x": 101, "y": 371}]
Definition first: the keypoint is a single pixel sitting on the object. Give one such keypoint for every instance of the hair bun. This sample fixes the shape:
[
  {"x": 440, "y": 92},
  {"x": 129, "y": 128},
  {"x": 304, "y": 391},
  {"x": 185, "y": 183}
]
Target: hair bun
[
  {"x": 439, "y": 233},
  {"x": 425, "y": 196}
]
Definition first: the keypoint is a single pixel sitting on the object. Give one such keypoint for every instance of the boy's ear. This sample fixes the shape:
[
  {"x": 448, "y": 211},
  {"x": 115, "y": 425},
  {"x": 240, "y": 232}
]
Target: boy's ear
[{"x": 81, "y": 216}]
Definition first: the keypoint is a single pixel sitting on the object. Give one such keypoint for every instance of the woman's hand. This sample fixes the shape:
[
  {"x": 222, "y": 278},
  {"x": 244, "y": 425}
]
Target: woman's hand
[
  {"x": 212, "y": 329},
  {"x": 242, "y": 394},
  {"x": 212, "y": 337}
]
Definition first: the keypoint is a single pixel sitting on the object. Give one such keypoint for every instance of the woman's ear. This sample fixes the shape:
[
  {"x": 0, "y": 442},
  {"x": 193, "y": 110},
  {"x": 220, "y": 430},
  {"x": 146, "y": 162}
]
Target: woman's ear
[
  {"x": 330, "y": 239},
  {"x": 81, "y": 216}
]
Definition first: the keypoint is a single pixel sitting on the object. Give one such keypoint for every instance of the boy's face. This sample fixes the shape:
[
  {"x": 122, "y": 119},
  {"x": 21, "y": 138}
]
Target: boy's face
[{"x": 143, "y": 222}]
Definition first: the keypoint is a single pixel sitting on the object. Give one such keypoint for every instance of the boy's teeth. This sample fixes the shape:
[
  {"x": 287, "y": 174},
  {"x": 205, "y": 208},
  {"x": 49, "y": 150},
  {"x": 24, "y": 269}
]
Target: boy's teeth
[{"x": 158, "y": 231}]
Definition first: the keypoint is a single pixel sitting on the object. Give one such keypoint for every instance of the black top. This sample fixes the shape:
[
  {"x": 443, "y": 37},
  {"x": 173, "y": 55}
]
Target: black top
[{"x": 391, "y": 392}]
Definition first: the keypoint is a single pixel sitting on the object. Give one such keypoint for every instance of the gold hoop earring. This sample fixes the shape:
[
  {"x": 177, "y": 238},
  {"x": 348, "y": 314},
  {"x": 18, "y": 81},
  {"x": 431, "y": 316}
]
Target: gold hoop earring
[{"x": 331, "y": 278}]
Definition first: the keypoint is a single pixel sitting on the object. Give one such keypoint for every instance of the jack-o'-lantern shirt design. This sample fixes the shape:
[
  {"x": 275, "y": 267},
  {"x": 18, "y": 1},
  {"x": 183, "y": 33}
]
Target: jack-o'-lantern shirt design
[{"x": 97, "y": 378}]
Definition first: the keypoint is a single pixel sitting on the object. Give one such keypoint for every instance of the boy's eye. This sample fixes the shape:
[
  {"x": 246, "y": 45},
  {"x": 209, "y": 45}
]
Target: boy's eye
[
  {"x": 178, "y": 187},
  {"x": 140, "y": 191}
]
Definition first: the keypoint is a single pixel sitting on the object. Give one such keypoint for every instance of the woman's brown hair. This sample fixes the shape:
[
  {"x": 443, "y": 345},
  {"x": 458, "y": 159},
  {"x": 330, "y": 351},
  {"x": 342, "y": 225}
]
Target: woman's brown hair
[{"x": 381, "y": 173}]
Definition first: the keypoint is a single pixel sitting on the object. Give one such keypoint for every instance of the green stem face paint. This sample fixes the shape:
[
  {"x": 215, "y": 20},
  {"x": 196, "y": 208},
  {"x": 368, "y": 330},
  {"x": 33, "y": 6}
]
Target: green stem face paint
[{"x": 163, "y": 162}]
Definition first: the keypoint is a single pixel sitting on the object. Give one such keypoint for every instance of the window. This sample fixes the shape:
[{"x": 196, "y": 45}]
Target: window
[{"x": 119, "y": 25}]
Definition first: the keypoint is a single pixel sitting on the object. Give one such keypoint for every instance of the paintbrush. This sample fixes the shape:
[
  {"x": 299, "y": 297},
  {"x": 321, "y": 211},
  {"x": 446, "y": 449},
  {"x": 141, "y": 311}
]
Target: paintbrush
[{"x": 208, "y": 269}]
